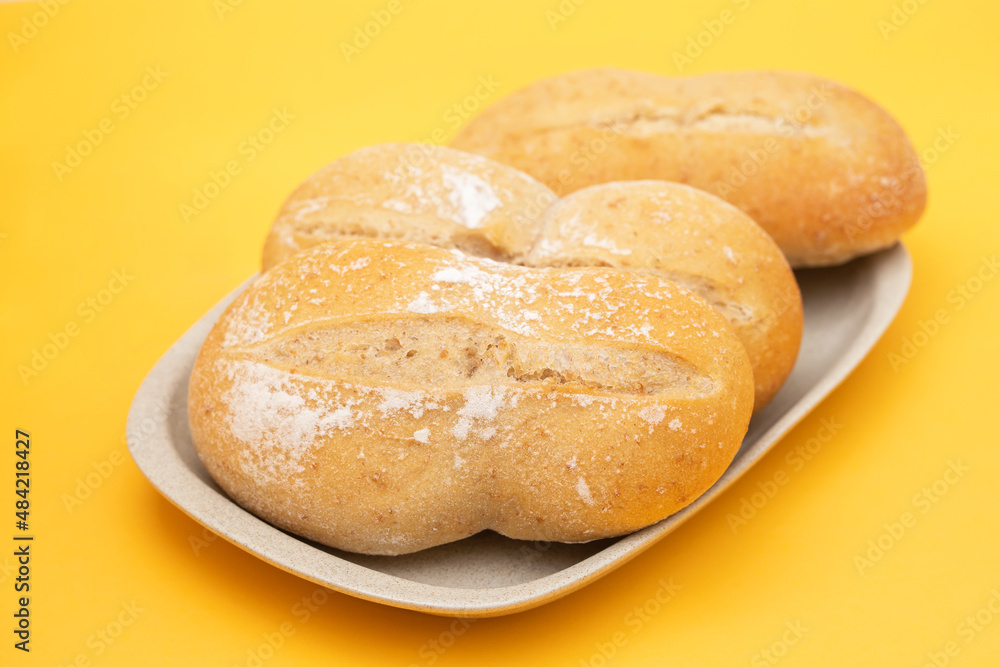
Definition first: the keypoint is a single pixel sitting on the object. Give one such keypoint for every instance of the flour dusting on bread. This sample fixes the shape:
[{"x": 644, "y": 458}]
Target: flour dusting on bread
[
  {"x": 471, "y": 197},
  {"x": 324, "y": 403},
  {"x": 413, "y": 192},
  {"x": 276, "y": 424}
]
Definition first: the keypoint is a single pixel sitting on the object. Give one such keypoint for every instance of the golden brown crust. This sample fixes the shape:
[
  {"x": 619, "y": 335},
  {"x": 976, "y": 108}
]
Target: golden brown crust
[
  {"x": 314, "y": 405},
  {"x": 697, "y": 240},
  {"x": 412, "y": 192},
  {"x": 825, "y": 171}
]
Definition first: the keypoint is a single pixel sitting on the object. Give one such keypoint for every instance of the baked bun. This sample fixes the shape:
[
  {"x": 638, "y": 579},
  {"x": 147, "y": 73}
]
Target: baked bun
[
  {"x": 694, "y": 239},
  {"x": 824, "y": 170},
  {"x": 383, "y": 397},
  {"x": 413, "y": 192}
]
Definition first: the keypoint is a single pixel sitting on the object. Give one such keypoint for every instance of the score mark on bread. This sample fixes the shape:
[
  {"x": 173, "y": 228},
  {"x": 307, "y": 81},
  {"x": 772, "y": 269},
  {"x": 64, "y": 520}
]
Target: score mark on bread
[
  {"x": 323, "y": 402},
  {"x": 417, "y": 193},
  {"x": 827, "y": 172}
]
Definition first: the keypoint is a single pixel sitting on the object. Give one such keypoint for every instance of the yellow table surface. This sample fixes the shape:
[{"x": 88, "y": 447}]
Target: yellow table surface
[{"x": 101, "y": 262}]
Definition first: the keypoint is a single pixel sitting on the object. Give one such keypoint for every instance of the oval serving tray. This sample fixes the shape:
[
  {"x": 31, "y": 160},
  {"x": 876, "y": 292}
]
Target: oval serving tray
[{"x": 847, "y": 308}]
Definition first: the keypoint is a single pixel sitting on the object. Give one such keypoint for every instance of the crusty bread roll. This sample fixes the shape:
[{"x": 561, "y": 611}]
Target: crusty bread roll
[
  {"x": 413, "y": 192},
  {"x": 695, "y": 239},
  {"x": 383, "y": 397},
  {"x": 825, "y": 171}
]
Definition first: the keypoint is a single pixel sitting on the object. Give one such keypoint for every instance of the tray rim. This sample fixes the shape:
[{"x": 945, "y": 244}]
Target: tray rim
[{"x": 892, "y": 273}]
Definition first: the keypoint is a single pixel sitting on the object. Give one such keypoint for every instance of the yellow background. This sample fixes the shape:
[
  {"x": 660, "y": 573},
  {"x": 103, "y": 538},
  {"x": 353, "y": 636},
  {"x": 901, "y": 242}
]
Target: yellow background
[{"x": 794, "y": 562}]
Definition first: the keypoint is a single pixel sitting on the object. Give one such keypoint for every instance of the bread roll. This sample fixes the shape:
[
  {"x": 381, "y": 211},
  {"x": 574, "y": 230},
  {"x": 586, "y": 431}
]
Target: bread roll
[
  {"x": 383, "y": 397},
  {"x": 413, "y": 192},
  {"x": 695, "y": 239},
  {"x": 825, "y": 171}
]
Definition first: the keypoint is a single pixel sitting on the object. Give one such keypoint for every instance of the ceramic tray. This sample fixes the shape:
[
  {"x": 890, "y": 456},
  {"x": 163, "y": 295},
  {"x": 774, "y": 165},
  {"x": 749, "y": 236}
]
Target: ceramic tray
[{"x": 847, "y": 308}]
